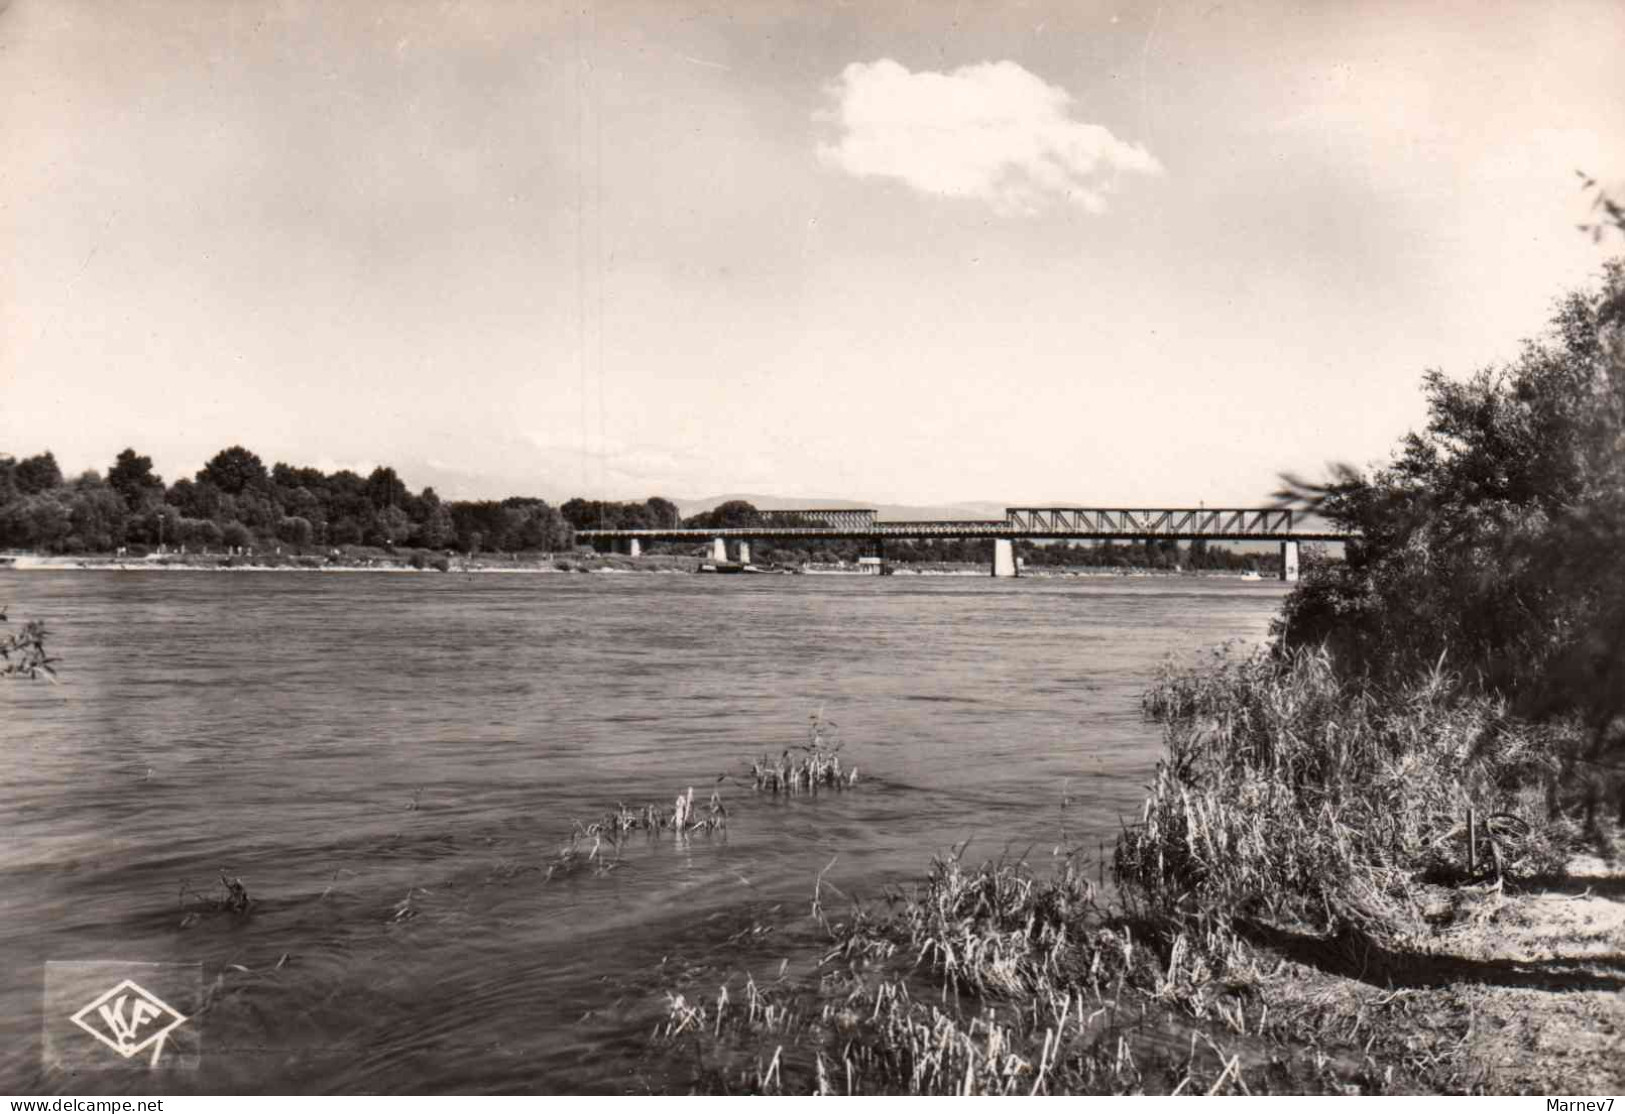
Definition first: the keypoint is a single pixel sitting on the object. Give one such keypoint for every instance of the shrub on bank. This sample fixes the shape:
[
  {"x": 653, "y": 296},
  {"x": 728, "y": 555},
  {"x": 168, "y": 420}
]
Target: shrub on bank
[
  {"x": 1466, "y": 662},
  {"x": 1290, "y": 794},
  {"x": 1496, "y": 536}
]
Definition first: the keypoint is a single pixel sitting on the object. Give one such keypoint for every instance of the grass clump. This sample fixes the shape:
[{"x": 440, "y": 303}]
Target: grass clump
[
  {"x": 1288, "y": 794},
  {"x": 996, "y": 929},
  {"x": 982, "y": 979},
  {"x": 680, "y": 818},
  {"x": 597, "y": 844},
  {"x": 231, "y": 897},
  {"x": 23, "y": 654},
  {"x": 807, "y": 768}
]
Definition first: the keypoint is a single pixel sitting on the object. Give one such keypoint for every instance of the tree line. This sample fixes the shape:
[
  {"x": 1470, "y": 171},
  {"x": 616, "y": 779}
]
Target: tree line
[{"x": 234, "y": 501}]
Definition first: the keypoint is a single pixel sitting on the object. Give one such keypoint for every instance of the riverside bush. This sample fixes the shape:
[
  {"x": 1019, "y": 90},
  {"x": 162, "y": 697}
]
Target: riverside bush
[
  {"x": 1496, "y": 536},
  {"x": 1289, "y": 794}
]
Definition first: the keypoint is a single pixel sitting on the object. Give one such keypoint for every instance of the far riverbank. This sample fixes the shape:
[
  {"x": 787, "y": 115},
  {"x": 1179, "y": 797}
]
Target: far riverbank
[{"x": 542, "y": 563}]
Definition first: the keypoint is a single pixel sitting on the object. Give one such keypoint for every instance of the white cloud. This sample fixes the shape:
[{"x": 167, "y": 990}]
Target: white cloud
[{"x": 991, "y": 132}]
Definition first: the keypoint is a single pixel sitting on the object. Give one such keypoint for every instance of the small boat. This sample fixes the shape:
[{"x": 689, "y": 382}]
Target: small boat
[{"x": 722, "y": 566}]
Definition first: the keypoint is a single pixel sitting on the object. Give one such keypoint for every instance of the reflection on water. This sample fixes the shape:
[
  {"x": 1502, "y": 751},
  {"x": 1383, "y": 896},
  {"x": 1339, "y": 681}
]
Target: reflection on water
[{"x": 341, "y": 742}]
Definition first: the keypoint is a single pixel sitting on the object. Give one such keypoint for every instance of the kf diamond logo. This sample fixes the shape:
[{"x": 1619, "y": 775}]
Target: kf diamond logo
[{"x": 129, "y": 1019}]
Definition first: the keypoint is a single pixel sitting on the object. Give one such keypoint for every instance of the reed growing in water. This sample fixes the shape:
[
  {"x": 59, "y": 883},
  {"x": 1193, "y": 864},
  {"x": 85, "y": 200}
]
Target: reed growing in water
[
  {"x": 596, "y": 845},
  {"x": 1001, "y": 979},
  {"x": 808, "y": 768}
]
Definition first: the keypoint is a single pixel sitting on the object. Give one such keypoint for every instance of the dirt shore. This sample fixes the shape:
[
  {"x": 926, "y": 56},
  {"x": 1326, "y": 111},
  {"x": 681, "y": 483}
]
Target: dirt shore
[{"x": 1514, "y": 992}]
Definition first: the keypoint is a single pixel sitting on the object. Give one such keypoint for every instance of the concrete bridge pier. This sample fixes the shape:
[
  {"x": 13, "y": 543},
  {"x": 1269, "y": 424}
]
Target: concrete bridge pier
[
  {"x": 1004, "y": 557},
  {"x": 744, "y": 553},
  {"x": 719, "y": 550},
  {"x": 634, "y": 547},
  {"x": 1289, "y": 562}
]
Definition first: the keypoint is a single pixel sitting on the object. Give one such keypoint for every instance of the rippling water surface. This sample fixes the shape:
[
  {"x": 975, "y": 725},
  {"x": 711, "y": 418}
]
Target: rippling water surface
[{"x": 281, "y": 727}]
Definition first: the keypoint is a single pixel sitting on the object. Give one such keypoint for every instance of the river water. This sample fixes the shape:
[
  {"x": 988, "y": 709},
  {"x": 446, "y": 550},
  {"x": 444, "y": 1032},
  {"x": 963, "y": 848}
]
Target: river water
[{"x": 342, "y": 741}]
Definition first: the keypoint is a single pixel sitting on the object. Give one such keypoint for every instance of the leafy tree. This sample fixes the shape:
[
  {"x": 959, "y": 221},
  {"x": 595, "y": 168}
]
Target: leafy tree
[
  {"x": 438, "y": 529},
  {"x": 161, "y": 524},
  {"x": 1495, "y": 539},
  {"x": 202, "y": 532},
  {"x": 347, "y": 497},
  {"x": 346, "y": 531},
  {"x": 96, "y": 514},
  {"x": 662, "y": 513},
  {"x": 392, "y": 526},
  {"x": 287, "y": 476},
  {"x": 300, "y": 502},
  {"x": 236, "y": 535},
  {"x": 37, "y": 474},
  {"x": 295, "y": 531},
  {"x": 385, "y": 489},
  {"x": 134, "y": 480},
  {"x": 542, "y": 527},
  {"x": 41, "y": 521},
  {"x": 194, "y": 500},
  {"x": 732, "y": 514},
  {"x": 482, "y": 524},
  {"x": 597, "y": 514},
  {"x": 234, "y": 471},
  {"x": 257, "y": 512}
]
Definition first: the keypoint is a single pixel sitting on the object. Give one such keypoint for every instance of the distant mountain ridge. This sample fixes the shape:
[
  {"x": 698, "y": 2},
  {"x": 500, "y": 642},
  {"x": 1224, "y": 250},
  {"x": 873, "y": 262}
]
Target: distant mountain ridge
[{"x": 889, "y": 512}]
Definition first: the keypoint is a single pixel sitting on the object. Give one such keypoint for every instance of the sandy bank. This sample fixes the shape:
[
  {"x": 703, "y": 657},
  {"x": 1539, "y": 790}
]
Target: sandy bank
[{"x": 1515, "y": 992}]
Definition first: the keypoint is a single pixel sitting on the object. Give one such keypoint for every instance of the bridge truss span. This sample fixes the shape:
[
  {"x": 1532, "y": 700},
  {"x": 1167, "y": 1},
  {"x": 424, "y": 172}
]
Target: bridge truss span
[
  {"x": 1032, "y": 523},
  {"x": 1184, "y": 522}
]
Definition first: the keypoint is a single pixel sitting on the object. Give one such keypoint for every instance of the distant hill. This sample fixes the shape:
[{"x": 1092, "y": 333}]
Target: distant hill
[{"x": 890, "y": 512}]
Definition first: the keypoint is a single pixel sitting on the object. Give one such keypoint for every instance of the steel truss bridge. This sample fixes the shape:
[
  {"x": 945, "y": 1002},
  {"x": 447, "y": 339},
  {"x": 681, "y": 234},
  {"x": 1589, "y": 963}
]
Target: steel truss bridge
[{"x": 1035, "y": 523}]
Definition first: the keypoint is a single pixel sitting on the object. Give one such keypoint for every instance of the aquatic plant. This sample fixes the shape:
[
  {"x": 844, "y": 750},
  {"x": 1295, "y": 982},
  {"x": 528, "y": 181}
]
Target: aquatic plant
[
  {"x": 23, "y": 654},
  {"x": 597, "y": 844},
  {"x": 1039, "y": 988},
  {"x": 807, "y": 768},
  {"x": 232, "y": 898},
  {"x": 680, "y": 818}
]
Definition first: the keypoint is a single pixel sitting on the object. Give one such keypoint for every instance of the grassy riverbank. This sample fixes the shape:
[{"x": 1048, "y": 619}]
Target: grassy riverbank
[
  {"x": 1295, "y": 911},
  {"x": 366, "y": 559}
]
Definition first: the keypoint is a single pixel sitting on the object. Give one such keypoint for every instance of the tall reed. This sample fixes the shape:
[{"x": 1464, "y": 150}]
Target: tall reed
[{"x": 1289, "y": 794}]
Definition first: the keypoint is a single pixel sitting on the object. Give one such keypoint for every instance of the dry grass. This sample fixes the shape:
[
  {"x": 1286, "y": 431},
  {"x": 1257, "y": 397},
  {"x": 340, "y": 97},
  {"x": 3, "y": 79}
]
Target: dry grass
[
  {"x": 1289, "y": 796},
  {"x": 807, "y": 768},
  {"x": 596, "y": 845},
  {"x": 231, "y": 898},
  {"x": 879, "y": 1038},
  {"x": 989, "y": 979},
  {"x": 23, "y": 654},
  {"x": 1281, "y": 857}
]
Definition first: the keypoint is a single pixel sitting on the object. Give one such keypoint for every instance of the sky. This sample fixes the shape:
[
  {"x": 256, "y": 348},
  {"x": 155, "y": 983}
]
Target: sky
[{"x": 1026, "y": 252}]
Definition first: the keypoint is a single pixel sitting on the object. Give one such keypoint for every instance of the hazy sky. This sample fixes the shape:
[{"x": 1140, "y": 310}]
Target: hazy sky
[{"x": 1107, "y": 253}]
